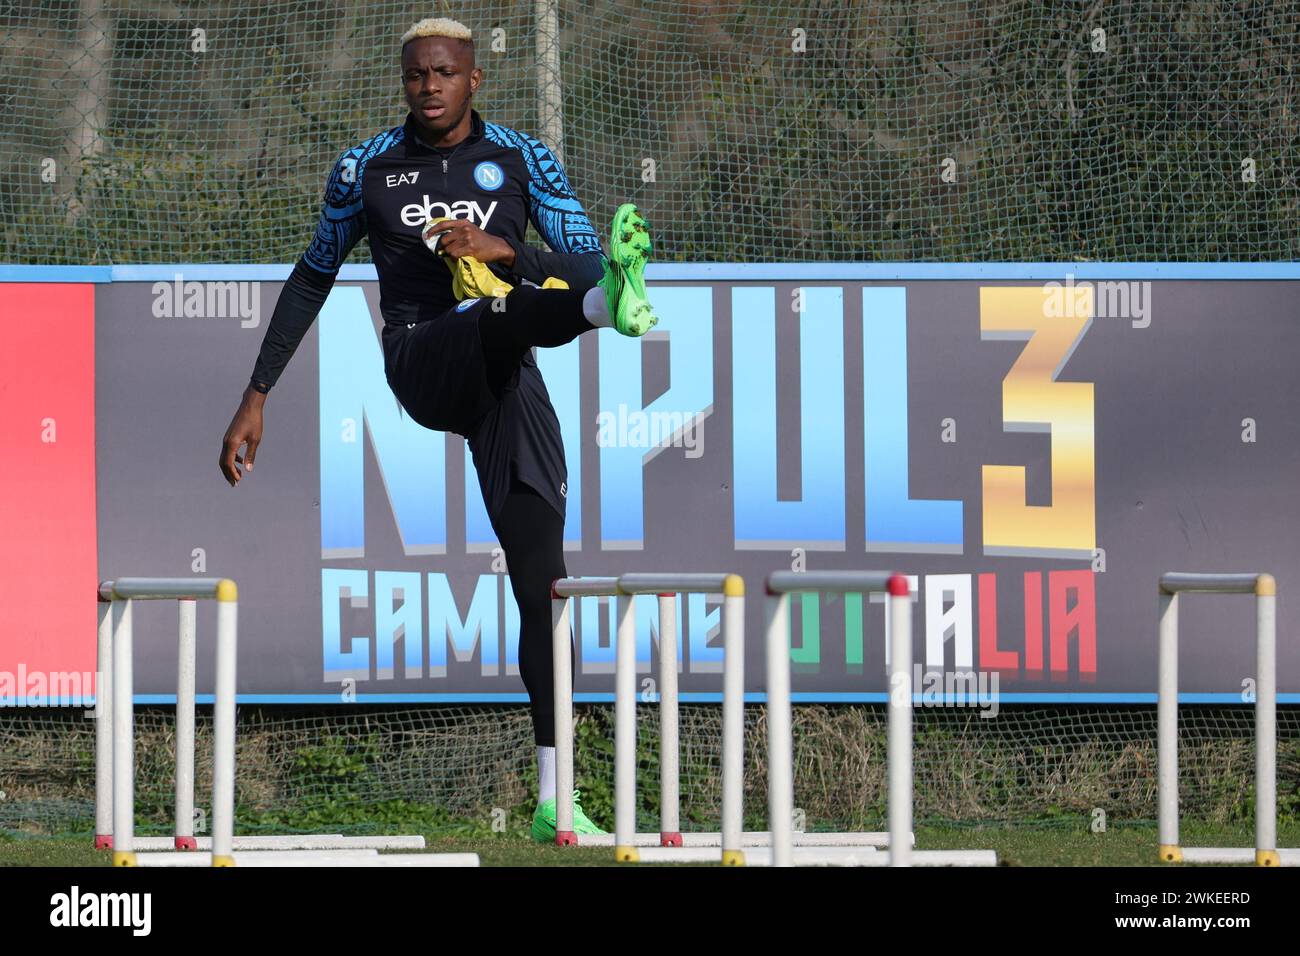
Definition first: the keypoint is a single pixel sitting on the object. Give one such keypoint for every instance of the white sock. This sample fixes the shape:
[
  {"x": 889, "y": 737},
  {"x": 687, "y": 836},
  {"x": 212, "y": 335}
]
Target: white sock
[
  {"x": 545, "y": 774},
  {"x": 594, "y": 307}
]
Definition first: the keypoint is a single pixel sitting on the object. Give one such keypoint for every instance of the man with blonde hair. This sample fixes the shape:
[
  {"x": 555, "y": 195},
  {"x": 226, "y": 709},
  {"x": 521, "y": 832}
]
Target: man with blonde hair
[{"x": 445, "y": 200}]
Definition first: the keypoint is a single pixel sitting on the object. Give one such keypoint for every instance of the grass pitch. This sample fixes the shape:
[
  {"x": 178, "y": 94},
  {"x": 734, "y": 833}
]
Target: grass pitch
[{"x": 1058, "y": 846}]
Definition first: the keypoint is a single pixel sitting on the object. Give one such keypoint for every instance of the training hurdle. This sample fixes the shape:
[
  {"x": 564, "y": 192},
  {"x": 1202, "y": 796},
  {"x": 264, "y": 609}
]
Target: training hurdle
[
  {"x": 731, "y": 846},
  {"x": 780, "y": 739},
  {"x": 1266, "y": 852},
  {"x": 628, "y": 844},
  {"x": 115, "y": 717},
  {"x": 115, "y": 749}
]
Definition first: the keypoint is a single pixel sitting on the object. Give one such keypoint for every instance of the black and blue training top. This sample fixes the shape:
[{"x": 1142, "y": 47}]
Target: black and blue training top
[{"x": 387, "y": 187}]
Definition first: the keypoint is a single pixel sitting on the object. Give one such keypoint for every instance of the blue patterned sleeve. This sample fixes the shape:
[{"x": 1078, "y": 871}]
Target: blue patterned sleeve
[
  {"x": 553, "y": 207},
  {"x": 342, "y": 219},
  {"x": 556, "y": 214}
]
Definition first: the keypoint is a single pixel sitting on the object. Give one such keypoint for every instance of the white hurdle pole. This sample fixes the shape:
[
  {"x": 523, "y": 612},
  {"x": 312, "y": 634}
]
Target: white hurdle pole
[
  {"x": 625, "y": 850},
  {"x": 123, "y": 738},
  {"x": 669, "y": 748},
  {"x": 104, "y": 725},
  {"x": 1266, "y": 722},
  {"x": 562, "y": 589},
  {"x": 780, "y": 740},
  {"x": 223, "y": 720},
  {"x": 733, "y": 718},
  {"x": 184, "y": 837},
  {"x": 1167, "y": 730},
  {"x": 561, "y": 660},
  {"x": 900, "y": 723}
]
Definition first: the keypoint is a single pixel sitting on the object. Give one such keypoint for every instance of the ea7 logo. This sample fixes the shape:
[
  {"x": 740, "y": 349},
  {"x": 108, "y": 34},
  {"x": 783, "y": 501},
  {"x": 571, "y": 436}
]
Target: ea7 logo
[
  {"x": 401, "y": 179},
  {"x": 418, "y": 213}
]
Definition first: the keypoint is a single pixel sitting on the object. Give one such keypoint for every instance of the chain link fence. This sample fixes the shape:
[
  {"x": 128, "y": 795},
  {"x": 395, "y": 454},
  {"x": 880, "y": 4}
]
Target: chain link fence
[
  {"x": 987, "y": 130},
  {"x": 366, "y": 768}
]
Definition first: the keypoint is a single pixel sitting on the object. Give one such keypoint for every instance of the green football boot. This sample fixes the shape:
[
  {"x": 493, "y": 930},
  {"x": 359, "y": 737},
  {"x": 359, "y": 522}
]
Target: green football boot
[
  {"x": 624, "y": 278},
  {"x": 544, "y": 820}
]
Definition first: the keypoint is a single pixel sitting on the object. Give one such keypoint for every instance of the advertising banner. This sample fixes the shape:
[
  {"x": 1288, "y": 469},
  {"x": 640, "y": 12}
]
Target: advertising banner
[{"x": 1034, "y": 445}]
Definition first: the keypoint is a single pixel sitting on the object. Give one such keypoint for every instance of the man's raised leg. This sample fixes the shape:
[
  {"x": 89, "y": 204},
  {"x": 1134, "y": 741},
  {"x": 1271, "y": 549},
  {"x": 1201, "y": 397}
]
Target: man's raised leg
[{"x": 530, "y": 316}]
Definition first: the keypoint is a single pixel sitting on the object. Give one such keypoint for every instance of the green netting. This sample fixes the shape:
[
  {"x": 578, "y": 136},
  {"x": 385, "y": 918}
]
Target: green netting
[
  {"x": 437, "y": 767},
  {"x": 999, "y": 130}
]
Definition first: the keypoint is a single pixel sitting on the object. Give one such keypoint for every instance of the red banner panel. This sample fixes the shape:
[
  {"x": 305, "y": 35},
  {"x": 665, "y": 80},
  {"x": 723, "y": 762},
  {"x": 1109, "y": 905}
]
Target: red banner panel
[{"x": 47, "y": 486}]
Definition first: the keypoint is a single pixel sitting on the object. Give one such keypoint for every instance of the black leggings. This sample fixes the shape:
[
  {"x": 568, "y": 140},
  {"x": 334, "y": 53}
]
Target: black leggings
[
  {"x": 531, "y": 316},
  {"x": 531, "y": 532}
]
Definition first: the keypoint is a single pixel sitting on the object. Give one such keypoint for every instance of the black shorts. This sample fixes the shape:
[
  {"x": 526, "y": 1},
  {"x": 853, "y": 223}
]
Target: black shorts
[{"x": 446, "y": 381}]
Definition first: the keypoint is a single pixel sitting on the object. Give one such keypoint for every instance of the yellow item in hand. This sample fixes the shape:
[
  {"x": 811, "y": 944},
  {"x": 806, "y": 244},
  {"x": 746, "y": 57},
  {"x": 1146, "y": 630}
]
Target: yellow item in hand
[{"x": 470, "y": 278}]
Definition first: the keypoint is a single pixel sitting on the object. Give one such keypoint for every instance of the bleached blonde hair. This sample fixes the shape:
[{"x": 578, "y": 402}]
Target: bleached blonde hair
[{"x": 439, "y": 27}]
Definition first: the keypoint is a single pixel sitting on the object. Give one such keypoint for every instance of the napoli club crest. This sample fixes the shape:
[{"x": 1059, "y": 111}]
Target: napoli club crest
[{"x": 489, "y": 176}]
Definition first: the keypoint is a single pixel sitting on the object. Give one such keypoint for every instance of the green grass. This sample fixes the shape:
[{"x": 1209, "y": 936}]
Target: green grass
[{"x": 1120, "y": 846}]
